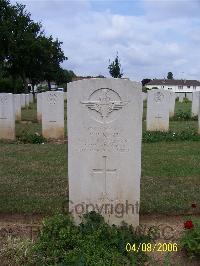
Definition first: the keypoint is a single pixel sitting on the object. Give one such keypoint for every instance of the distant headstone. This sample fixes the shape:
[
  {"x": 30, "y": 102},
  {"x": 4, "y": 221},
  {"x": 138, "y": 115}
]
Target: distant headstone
[
  {"x": 27, "y": 100},
  {"x": 7, "y": 116},
  {"x": 23, "y": 100},
  {"x": 199, "y": 116},
  {"x": 144, "y": 96},
  {"x": 189, "y": 96},
  {"x": 53, "y": 115},
  {"x": 39, "y": 106},
  {"x": 30, "y": 98},
  {"x": 181, "y": 97},
  {"x": 17, "y": 104},
  {"x": 65, "y": 95},
  {"x": 172, "y": 103},
  {"x": 104, "y": 148},
  {"x": 158, "y": 106},
  {"x": 195, "y": 103}
]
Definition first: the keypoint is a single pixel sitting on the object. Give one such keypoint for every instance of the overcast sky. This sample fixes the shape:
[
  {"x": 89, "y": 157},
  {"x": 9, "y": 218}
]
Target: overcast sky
[{"x": 151, "y": 37}]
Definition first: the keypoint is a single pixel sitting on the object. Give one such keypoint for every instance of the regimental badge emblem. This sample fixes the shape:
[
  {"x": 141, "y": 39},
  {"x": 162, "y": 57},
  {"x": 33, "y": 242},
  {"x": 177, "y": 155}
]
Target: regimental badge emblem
[
  {"x": 158, "y": 96},
  {"x": 52, "y": 98},
  {"x": 3, "y": 99},
  {"x": 105, "y": 104}
]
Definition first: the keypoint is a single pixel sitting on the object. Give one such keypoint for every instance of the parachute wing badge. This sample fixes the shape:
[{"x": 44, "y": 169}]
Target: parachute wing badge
[
  {"x": 92, "y": 105},
  {"x": 117, "y": 105}
]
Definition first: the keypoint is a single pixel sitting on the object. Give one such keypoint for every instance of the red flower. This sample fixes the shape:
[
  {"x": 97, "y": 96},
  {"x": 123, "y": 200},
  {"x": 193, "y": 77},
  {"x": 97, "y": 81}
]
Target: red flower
[
  {"x": 188, "y": 225},
  {"x": 193, "y": 205}
]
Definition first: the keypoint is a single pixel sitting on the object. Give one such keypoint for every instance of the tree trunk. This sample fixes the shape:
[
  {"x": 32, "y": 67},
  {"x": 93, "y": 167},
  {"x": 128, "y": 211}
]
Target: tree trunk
[
  {"x": 49, "y": 84},
  {"x": 25, "y": 83},
  {"x": 33, "y": 90},
  {"x": 14, "y": 84}
]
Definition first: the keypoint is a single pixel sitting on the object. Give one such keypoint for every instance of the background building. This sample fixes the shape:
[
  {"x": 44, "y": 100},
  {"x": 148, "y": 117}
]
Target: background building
[{"x": 178, "y": 86}]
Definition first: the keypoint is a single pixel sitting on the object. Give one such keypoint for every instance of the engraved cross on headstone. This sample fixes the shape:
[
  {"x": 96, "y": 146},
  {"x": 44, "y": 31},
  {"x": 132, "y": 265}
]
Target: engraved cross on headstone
[{"x": 105, "y": 170}]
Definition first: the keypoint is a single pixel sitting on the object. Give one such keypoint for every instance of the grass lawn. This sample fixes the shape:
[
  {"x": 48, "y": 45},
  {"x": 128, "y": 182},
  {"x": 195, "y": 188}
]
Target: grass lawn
[{"x": 33, "y": 178}]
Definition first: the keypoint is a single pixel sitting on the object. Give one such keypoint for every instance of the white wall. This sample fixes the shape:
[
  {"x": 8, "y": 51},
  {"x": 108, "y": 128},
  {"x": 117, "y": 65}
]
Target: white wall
[{"x": 174, "y": 88}]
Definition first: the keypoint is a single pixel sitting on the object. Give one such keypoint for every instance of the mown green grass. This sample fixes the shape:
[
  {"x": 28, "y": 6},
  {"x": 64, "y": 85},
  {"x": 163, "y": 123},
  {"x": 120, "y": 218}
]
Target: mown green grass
[
  {"x": 185, "y": 106},
  {"x": 33, "y": 178}
]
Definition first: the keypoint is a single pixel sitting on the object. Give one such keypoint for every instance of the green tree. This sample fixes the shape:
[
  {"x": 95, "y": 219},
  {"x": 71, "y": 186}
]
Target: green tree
[
  {"x": 17, "y": 33},
  {"x": 52, "y": 56},
  {"x": 44, "y": 64},
  {"x": 25, "y": 52},
  {"x": 115, "y": 68},
  {"x": 64, "y": 76},
  {"x": 170, "y": 75}
]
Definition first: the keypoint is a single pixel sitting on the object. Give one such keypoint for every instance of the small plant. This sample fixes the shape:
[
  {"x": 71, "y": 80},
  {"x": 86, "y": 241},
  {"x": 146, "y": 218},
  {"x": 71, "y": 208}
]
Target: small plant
[
  {"x": 32, "y": 138},
  {"x": 186, "y": 100},
  {"x": 183, "y": 116},
  {"x": 190, "y": 240},
  {"x": 93, "y": 242}
]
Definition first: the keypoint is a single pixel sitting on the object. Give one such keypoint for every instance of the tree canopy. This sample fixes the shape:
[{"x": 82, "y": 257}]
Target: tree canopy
[
  {"x": 26, "y": 54},
  {"x": 170, "y": 75},
  {"x": 145, "y": 81},
  {"x": 115, "y": 68}
]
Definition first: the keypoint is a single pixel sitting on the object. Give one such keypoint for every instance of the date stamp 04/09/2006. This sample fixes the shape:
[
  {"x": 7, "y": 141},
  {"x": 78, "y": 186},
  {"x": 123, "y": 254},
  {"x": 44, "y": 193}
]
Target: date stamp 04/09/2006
[{"x": 149, "y": 247}]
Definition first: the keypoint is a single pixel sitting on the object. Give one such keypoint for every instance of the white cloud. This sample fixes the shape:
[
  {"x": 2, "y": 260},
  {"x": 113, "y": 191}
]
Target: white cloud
[
  {"x": 147, "y": 47},
  {"x": 167, "y": 9}
]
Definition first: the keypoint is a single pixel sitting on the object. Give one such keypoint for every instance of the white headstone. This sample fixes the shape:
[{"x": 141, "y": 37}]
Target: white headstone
[
  {"x": 39, "y": 106},
  {"x": 189, "y": 96},
  {"x": 199, "y": 116},
  {"x": 30, "y": 98},
  {"x": 172, "y": 103},
  {"x": 104, "y": 148},
  {"x": 158, "y": 103},
  {"x": 7, "y": 116},
  {"x": 195, "y": 103},
  {"x": 23, "y": 100},
  {"x": 181, "y": 97},
  {"x": 27, "y": 100},
  {"x": 17, "y": 104},
  {"x": 53, "y": 115}
]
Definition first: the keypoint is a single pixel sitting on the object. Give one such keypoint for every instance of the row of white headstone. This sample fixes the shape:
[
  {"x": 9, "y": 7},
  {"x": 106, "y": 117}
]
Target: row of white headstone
[
  {"x": 179, "y": 96},
  {"x": 161, "y": 106},
  {"x": 50, "y": 111},
  {"x": 104, "y": 122},
  {"x": 10, "y": 111},
  {"x": 53, "y": 113}
]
